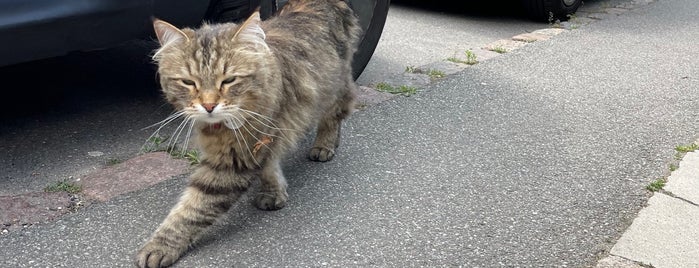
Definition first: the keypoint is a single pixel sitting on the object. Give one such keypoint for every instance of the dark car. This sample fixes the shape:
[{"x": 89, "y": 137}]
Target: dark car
[
  {"x": 551, "y": 10},
  {"x": 38, "y": 29}
]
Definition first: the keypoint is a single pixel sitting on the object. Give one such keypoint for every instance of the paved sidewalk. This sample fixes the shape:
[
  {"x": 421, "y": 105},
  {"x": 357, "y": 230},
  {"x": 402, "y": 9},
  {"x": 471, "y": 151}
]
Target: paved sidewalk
[{"x": 666, "y": 232}]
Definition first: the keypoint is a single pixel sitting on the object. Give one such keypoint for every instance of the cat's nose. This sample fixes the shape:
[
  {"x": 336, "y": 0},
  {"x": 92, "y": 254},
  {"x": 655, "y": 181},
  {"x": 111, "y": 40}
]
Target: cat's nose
[{"x": 209, "y": 107}]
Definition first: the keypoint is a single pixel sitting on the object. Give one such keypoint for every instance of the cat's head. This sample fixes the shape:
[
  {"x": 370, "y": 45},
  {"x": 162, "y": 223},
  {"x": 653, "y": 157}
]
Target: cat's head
[{"x": 216, "y": 73}]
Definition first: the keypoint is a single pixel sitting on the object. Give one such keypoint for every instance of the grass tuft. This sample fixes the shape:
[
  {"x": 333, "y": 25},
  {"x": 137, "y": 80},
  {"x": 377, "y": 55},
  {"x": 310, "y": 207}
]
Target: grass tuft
[
  {"x": 471, "y": 58},
  {"x": 63, "y": 186},
  {"x": 499, "y": 49},
  {"x": 656, "y": 185},
  {"x": 410, "y": 69},
  {"x": 687, "y": 148},
  {"x": 400, "y": 90},
  {"x": 191, "y": 155},
  {"x": 434, "y": 74}
]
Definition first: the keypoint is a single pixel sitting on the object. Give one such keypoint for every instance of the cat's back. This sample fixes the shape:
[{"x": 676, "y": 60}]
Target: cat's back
[{"x": 313, "y": 24}]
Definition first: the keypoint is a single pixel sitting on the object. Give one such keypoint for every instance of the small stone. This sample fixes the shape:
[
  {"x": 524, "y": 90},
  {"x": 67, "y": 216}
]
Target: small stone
[{"x": 95, "y": 153}]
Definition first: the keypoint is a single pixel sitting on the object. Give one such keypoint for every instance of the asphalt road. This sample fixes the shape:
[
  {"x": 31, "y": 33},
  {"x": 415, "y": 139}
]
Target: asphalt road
[
  {"x": 75, "y": 114},
  {"x": 535, "y": 158}
]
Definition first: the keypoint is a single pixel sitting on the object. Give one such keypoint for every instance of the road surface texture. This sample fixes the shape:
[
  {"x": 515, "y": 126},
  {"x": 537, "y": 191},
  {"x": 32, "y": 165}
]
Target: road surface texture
[{"x": 539, "y": 157}]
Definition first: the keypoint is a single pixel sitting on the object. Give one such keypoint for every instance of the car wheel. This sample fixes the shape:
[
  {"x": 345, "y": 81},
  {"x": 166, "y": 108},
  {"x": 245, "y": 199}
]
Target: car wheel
[
  {"x": 372, "y": 16},
  {"x": 551, "y": 10}
]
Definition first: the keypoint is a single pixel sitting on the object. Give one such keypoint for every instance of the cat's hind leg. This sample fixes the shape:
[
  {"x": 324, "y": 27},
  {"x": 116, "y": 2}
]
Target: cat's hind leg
[{"x": 328, "y": 131}]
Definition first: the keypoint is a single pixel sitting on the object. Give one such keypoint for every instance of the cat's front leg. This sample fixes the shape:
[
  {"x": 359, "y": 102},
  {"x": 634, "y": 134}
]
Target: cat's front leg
[
  {"x": 272, "y": 194},
  {"x": 211, "y": 192}
]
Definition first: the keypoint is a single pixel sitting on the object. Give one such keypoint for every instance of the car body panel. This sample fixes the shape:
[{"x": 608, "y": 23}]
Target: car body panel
[{"x": 40, "y": 29}]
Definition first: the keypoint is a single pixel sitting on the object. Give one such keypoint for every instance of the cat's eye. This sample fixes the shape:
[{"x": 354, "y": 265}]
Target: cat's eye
[
  {"x": 187, "y": 82},
  {"x": 228, "y": 80}
]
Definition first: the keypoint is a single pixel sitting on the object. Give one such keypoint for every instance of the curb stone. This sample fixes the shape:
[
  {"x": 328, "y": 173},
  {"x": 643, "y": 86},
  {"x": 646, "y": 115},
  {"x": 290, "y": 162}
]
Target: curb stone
[
  {"x": 580, "y": 18},
  {"x": 139, "y": 172},
  {"x": 25, "y": 210}
]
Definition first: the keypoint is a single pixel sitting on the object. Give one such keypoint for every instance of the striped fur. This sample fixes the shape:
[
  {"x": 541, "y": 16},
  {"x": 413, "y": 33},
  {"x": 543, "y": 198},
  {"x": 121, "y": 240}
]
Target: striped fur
[{"x": 237, "y": 85}]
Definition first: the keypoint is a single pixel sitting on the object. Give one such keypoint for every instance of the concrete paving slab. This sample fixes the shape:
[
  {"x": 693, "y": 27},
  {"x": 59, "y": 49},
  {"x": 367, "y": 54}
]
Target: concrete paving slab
[
  {"x": 617, "y": 262},
  {"x": 664, "y": 234},
  {"x": 684, "y": 182}
]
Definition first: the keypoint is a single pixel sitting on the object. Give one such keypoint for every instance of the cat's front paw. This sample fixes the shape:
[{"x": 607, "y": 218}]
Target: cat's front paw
[
  {"x": 321, "y": 154},
  {"x": 271, "y": 200},
  {"x": 156, "y": 255}
]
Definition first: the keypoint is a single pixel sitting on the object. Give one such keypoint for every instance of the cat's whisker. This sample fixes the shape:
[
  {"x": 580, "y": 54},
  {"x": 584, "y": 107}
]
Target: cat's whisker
[
  {"x": 273, "y": 126},
  {"x": 162, "y": 123},
  {"x": 166, "y": 121},
  {"x": 260, "y": 131},
  {"x": 267, "y": 118},
  {"x": 239, "y": 135},
  {"x": 189, "y": 135},
  {"x": 268, "y": 122},
  {"x": 173, "y": 142},
  {"x": 257, "y": 139}
]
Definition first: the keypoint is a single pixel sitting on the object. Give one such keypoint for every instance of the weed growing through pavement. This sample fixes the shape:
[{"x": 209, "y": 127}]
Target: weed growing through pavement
[
  {"x": 499, "y": 49},
  {"x": 683, "y": 149},
  {"x": 656, "y": 185},
  {"x": 63, "y": 186},
  {"x": 432, "y": 73},
  {"x": 471, "y": 58},
  {"x": 157, "y": 144},
  {"x": 410, "y": 69},
  {"x": 687, "y": 148},
  {"x": 673, "y": 167},
  {"x": 153, "y": 144},
  {"x": 400, "y": 90},
  {"x": 456, "y": 60},
  {"x": 191, "y": 155},
  {"x": 113, "y": 161}
]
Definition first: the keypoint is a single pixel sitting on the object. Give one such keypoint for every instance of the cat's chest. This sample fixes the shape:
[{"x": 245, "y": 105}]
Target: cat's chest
[{"x": 243, "y": 148}]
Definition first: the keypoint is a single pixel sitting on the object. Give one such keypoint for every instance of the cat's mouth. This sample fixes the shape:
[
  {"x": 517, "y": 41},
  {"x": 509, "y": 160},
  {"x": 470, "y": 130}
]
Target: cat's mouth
[{"x": 216, "y": 122}]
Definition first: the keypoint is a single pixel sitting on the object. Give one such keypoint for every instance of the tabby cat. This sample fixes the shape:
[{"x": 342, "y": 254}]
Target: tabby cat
[{"x": 251, "y": 91}]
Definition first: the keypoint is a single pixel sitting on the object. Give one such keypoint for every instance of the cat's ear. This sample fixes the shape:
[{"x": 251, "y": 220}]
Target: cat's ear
[
  {"x": 251, "y": 27},
  {"x": 167, "y": 33}
]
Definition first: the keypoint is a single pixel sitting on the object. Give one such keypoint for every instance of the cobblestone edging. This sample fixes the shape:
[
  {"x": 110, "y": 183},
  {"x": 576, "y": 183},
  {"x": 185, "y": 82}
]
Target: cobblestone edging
[
  {"x": 419, "y": 77},
  {"x": 26, "y": 210}
]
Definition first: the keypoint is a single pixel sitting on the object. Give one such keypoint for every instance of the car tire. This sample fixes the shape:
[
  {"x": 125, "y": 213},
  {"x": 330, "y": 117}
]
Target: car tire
[
  {"x": 372, "y": 17},
  {"x": 551, "y": 10}
]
